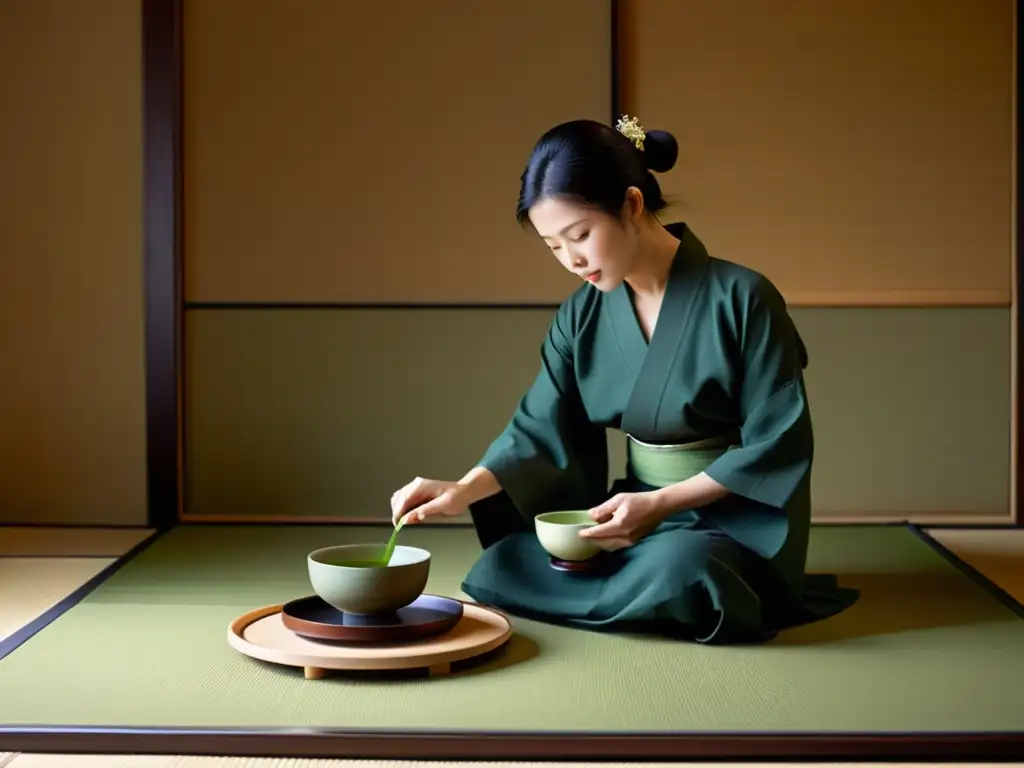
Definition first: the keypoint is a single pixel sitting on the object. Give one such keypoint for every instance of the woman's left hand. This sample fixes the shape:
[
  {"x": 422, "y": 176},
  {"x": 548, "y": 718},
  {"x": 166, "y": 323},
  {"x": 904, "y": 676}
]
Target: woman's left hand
[{"x": 624, "y": 519}]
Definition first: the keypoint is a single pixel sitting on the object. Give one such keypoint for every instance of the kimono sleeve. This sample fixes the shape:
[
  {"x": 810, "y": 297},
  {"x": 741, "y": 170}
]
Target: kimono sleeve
[
  {"x": 776, "y": 439},
  {"x": 550, "y": 456}
]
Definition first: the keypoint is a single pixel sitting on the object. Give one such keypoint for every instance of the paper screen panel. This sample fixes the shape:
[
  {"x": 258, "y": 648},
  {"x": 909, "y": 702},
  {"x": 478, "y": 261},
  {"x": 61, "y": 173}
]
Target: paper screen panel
[
  {"x": 72, "y": 387},
  {"x": 293, "y": 413},
  {"x": 371, "y": 152},
  {"x": 858, "y": 151}
]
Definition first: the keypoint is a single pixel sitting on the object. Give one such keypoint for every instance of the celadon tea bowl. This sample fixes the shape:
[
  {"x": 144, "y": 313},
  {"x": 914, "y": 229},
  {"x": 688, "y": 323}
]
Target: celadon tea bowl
[
  {"x": 351, "y": 578},
  {"x": 559, "y": 534}
]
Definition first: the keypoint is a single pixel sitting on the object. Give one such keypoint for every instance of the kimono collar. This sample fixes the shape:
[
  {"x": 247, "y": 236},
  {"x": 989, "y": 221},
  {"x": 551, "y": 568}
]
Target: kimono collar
[{"x": 691, "y": 252}]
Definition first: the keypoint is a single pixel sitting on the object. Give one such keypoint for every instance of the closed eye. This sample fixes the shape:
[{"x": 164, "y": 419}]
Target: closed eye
[{"x": 576, "y": 239}]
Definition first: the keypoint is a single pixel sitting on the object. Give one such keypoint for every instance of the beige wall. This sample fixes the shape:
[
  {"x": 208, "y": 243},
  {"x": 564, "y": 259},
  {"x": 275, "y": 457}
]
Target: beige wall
[
  {"x": 72, "y": 414},
  {"x": 290, "y": 197},
  {"x": 855, "y": 177},
  {"x": 361, "y": 152},
  {"x": 859, "y": 151}
]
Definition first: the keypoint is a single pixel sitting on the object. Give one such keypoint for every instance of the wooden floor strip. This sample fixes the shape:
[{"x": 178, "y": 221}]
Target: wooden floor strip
[
  {"x": 29, "y": 586},
  {"x": 68, "y": 542},
  {"x": 996, "y": 553}
]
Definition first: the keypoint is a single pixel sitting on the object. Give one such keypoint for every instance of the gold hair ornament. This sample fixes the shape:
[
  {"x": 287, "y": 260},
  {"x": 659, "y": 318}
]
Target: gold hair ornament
[{"x": 630, "y": 128}]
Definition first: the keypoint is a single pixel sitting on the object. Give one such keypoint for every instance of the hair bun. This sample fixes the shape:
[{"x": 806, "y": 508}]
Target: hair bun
[{"x": 660, "y": 151}]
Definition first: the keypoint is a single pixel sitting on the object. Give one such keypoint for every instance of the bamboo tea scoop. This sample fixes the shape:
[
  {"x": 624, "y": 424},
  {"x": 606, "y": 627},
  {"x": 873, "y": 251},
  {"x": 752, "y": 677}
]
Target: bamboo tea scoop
[{"x": 389, "y": 550}]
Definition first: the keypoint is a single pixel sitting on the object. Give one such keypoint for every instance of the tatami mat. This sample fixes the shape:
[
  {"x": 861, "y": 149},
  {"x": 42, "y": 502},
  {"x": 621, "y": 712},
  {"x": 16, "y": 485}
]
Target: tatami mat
[
  {"x": 29, "y": 586},
  {"x": 919, "y": 618},
  {"x": 998, "y": 554},
  {"x": 68, "y": 542}
]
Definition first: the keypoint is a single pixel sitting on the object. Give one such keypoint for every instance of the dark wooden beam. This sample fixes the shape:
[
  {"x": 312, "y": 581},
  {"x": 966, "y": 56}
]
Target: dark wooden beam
[
  {"x": 1018, "y": 358},
  {"x": 616, "y": 75},
  {"x": 161, "y": 64}
]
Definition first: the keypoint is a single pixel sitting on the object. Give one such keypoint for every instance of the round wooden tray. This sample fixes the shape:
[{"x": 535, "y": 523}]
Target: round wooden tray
[{"x": 262, "y": 635}]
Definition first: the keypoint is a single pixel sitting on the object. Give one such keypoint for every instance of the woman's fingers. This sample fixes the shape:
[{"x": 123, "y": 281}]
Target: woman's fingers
[
  {"x": 402, "y": 501},
  {"x": 412, "y": 496},
  {"x": 423, "y": 511},
  {"x": 611, "y": 529},
  {"x": 422, "y": 498},
  {"x": 604, "y": 512}
]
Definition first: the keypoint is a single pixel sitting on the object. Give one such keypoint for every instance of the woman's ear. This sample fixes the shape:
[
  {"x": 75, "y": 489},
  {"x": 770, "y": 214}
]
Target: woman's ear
[{"x": 633, "y": 207}]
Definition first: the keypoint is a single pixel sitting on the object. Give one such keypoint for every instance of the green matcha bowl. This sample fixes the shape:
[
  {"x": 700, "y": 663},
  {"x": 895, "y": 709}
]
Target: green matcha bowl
[
  {"x": 559, "y": 534},
  {"x": 352, "y": 579}
]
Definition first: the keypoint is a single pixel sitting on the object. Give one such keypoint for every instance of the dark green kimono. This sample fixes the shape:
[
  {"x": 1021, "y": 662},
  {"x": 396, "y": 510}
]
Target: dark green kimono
[{"x": 725, "y": 359}]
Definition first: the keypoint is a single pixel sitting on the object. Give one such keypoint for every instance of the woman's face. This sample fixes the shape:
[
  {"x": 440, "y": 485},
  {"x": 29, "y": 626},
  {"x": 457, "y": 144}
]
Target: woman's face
[{"x": 589, "y": 243}]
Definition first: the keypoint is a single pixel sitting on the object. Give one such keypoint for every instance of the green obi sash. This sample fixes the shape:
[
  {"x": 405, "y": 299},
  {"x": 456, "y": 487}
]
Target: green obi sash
[{"x": 659, "y": 466}]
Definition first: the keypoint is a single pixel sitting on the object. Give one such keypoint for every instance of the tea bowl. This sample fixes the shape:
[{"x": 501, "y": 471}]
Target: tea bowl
[
  {"x": 351, "y": 578},
  {"x": 559, "y": 534}
]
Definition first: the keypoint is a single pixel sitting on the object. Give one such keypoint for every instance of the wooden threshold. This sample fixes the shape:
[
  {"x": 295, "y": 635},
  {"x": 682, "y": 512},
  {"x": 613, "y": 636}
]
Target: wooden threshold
[{"x": 822, "y": 518}]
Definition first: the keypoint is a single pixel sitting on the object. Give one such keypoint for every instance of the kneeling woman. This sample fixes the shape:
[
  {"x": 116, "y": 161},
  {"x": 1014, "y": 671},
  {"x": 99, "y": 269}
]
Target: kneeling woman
[{"x": 697, "y": 361}]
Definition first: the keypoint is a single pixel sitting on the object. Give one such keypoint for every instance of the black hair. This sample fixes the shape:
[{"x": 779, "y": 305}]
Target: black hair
[{"x": 595, "y": 165}]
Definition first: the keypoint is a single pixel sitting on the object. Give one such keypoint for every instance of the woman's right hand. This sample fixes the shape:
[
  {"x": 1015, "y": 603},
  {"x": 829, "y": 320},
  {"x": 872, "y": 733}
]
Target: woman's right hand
[{"x": 423, "y": 498}]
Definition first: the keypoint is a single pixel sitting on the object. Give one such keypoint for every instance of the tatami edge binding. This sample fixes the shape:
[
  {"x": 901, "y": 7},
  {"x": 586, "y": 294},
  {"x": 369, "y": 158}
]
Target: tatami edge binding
[
  {"x": 965, "y": 521},
  {"x": 57, "y": 556},
  {"x": 233, "y": 521},
  {"x": 21, "y": 636},
  {"x": 196, "y": 305},
  {"x": 385, "y": 744},
  {"x": 970, "y": 571},
  {"x": 1007, "y": 526},
  {"x": 213, "y": 521},
  {"x": 79, "y": 526}
]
